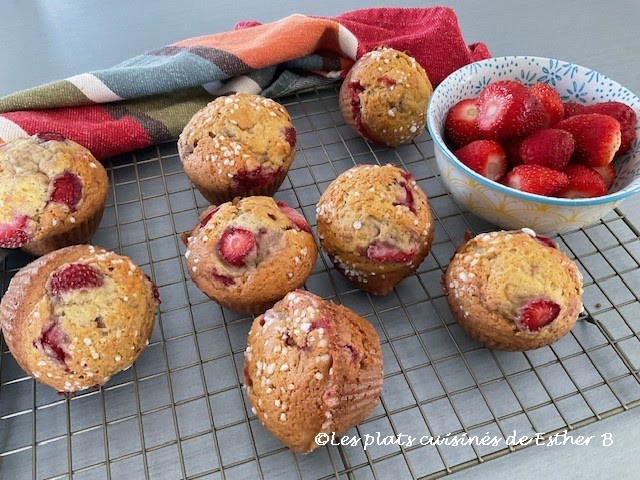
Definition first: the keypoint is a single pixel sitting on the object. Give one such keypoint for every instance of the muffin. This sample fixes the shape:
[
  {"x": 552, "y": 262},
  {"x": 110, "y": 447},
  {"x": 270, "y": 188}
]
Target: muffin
[
  {"x": 384, "y": 97},
  {"x": 248, "y": 254},
  {"x": 375, "y": 224},
  {"x": 311, "y": 367},
  {"x": 237, "y": 146},
  {"x": 76, "y": 316},
  {"x": 513, "y": 290},
  {"x": 52, "y": 193}
]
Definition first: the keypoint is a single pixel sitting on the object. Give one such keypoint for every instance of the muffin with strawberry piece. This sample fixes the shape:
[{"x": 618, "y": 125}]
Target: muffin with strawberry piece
[
  {"x": 375, "y": 223},
  {"x": 248, "y": 254},
  {"x": 311, "y": 367},
  {"x": 384, "y": 97},
  {"x": 52, "y": 193},
  {"x": 77, "y": 316},
  {"x": 513, "y": 290},
  {"x": 238, "y": 145}
]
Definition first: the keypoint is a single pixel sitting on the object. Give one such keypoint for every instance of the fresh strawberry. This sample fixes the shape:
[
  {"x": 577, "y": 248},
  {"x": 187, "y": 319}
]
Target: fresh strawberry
[
  {"x": 573, "y": 109},
  {"x": 235, "y": 244},
  {"x": 289, "y": 134},
  {"x": 550, "y": 101},
  {"x": 596, "y": 136},
  {"x": 508, "y": 109},
  {"x": 295, "y": 217},
  {"x": 461, "y": 123},
  {"x": 536, "y": 314},
  {"x": 584, "y": 182},
  {"x": 208, "y": 214},
  {"x": 608, "y": 174},
  {"x": 625, "y": 115},
  {"x": 75, "y": 276},
  {"x": 386, "y": 252},
  {"x": 511, "y": 148},
  {"x": 536, "y": 179},
  {"x": 485, "y": 157},
  {"x": 13, "y": 235},
  {"x": 67, "y": 189},
  {"x": 550, "y": 148},
  {"x": 48, "y": 136}
]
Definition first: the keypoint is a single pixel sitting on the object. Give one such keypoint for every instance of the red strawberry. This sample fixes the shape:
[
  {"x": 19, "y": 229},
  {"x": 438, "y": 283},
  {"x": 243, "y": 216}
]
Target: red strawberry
[
  {"x": 289, "y": 134},
  {"x": 596, "y": 136},
  {"x": 293, "y": 215},
  {"x": 573, "y": 109},
  {"x": 508, "y": 109},
  {"x": 52, "y": 341},
  {"x": 623, "y": 114},
  {"x": 608, "y": 174},
  {"x": 406, "y": 197},
  {"x": 48, "y": 136},
  {"x": 536, "y": 179},
  {"x": 67, "y": 189},
  {"x": 485, "y": 157},
  {"x": 226, "y": 281},
  {"x": 248, "y": 179},
  {"x": 386, "y": 252},
  {"x": 511, "y": 148},
  {"x": 550, "y": 101},
  {"x": 208, "y": 214},
  {"x": 235, "y": 244},
  {"x": 584, "y": 182},
  {"x": 546, "y": 241},
  {"x": 461, "y": 123},
  {"x": 75, "y": 276},
  {"x": 536, "y": 314},
  {"x": 14, "y": 235},
  {"x": 550, "y": 148}
]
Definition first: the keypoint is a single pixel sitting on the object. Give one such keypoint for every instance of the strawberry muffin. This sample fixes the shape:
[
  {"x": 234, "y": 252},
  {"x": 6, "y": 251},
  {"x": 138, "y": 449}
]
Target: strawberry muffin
[
  {"x": 77, "y": 316},
  {"x": 376, "y": 225},
  {"x": 513, "y": 290},
  {"x": 311, "y": 367},
  {"x": 384, "y": 97},
  {"x": 52, "y": 193},
  {"x": 248, "y": 254},
  {"x": 237, "y": 146}
]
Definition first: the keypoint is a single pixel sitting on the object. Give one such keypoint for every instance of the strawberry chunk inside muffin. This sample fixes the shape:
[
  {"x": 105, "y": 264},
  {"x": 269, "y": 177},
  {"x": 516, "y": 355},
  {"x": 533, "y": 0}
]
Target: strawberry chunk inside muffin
[
  {"x": 537, "y": 314},
  {"x": 54, "y": 343},
  {"x": 235, "y": 245},
  {"x": 67, "y": 189}
]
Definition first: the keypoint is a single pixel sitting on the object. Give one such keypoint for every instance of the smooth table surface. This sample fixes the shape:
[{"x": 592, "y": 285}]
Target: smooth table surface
[{"x": 51, "y": 39}]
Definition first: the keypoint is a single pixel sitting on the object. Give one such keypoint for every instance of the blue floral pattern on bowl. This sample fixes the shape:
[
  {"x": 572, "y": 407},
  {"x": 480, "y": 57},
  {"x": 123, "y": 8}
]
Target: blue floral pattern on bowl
[{"x": 511, "y": 208}]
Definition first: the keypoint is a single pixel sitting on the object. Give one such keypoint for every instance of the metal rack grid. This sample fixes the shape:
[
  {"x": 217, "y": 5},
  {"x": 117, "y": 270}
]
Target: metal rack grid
[{"x": 180, "y": 411}]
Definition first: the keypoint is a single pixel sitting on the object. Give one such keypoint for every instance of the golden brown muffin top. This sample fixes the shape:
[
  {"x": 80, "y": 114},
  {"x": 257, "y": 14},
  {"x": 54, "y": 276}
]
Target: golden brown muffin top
[
  {"x": 304, "y": 357},
  {"x": 76, "y": 316},
  {"x": 239, "y": 131},
  {"x": 516, "y": 284},
  {"x": 46, "y": 185},
  {"x": 391, "y": 91},
  {"x": 372, "y": 211}
]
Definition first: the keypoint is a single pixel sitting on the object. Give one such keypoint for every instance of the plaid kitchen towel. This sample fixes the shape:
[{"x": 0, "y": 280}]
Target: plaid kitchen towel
[{"x": 148, "y": 99}]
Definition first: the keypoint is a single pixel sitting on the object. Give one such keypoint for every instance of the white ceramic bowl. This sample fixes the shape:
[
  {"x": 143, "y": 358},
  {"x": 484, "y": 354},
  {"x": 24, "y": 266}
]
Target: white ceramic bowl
[{"x": 509, "y": 208}]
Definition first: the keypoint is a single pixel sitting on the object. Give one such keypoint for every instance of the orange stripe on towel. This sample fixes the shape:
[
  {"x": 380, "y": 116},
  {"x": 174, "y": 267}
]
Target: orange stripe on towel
[{"x": 274, "y": 43}]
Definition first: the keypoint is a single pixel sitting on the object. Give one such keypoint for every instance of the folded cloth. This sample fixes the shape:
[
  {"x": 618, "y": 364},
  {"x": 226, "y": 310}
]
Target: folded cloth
[{"x": 148, "y": 99}]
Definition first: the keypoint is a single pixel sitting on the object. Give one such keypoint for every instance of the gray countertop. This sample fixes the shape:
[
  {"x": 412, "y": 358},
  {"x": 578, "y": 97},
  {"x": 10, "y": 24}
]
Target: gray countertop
[{"x": 48, "y": 40}]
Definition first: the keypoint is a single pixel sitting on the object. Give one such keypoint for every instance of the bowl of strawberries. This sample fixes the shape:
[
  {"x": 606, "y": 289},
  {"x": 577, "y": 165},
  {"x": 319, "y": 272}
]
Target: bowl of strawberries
[{"x": 536, "y": 142}]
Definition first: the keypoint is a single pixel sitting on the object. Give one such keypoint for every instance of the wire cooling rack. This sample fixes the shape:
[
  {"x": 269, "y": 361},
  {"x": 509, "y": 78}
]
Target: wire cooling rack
[{"x": 180, "y": 411}]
